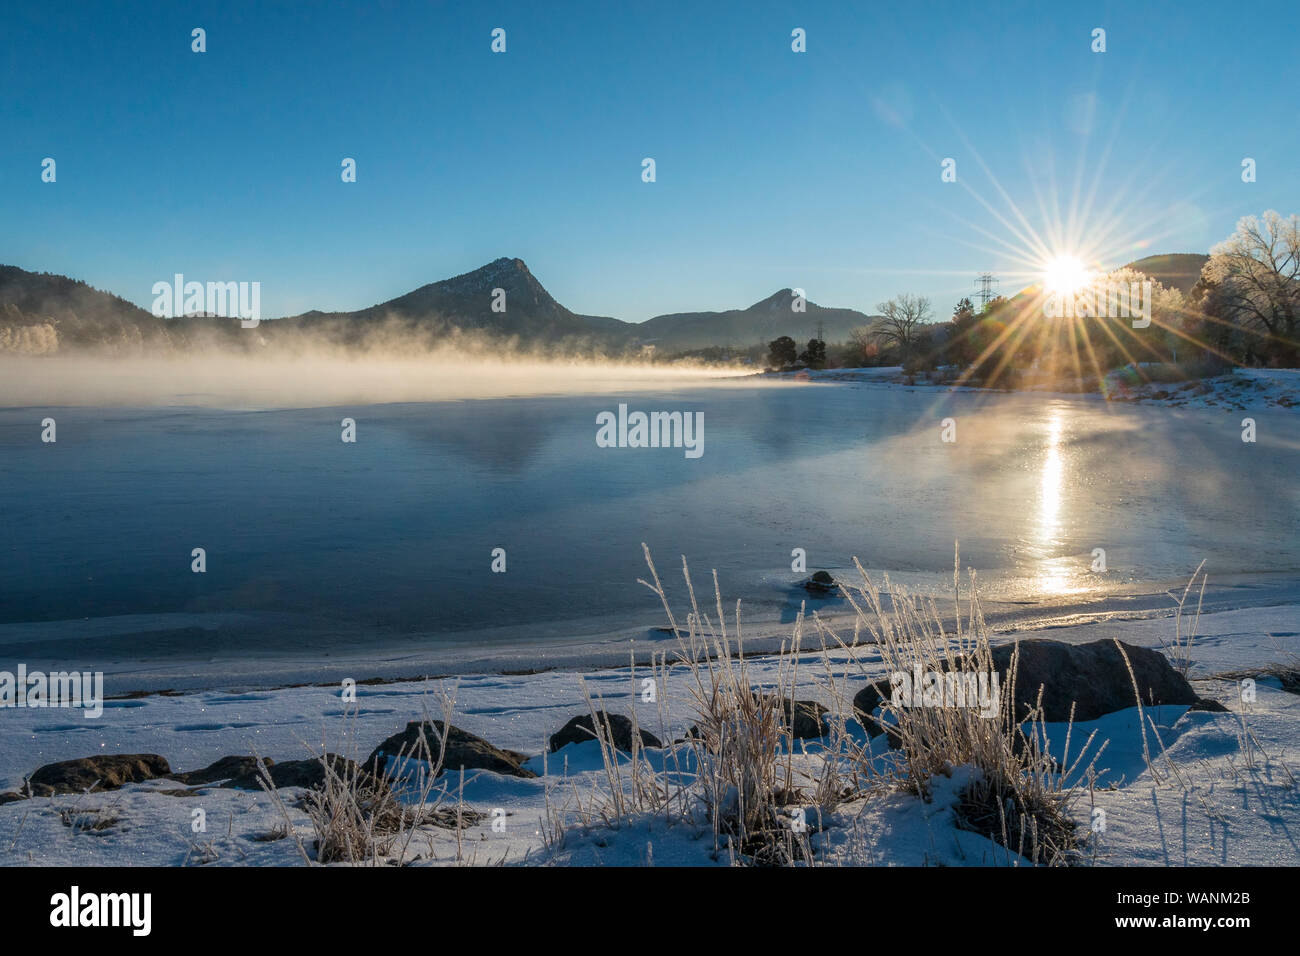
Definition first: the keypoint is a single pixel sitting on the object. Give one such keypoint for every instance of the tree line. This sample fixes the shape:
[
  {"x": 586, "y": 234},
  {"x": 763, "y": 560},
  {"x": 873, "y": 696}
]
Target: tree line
[{"x": 1244, "y": 309}]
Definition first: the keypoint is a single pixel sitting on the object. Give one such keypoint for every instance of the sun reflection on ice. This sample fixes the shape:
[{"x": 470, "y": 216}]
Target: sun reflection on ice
[{"x": 1054, "y": 575}]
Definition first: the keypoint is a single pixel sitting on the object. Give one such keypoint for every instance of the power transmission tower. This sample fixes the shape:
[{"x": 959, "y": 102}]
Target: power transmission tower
[
  {"x": 821, "y": 331},
  {"x": 986, "y": 283}
]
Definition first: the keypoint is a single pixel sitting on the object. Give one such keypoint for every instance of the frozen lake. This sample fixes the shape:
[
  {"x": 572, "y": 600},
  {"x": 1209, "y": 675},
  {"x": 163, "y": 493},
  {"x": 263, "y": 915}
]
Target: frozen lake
[{"x": 317, "y": 548}]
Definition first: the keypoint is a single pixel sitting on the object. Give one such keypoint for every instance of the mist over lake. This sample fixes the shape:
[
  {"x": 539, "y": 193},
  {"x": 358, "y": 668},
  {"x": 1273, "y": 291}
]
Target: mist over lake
[{"x": 315, "y": 546}]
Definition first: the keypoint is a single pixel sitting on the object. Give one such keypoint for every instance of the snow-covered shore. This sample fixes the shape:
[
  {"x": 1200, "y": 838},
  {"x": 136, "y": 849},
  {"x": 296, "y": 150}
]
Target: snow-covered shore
[
  {"x": 1238, "y": 389},
  {"x": 1221, "y": 793}
]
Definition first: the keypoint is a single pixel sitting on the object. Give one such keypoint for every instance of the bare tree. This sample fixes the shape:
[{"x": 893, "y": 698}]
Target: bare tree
[
  {"x": 864, "y": 344},
  {"x": 900, "y": 322},
  {"x": 1253, "y": 278}
]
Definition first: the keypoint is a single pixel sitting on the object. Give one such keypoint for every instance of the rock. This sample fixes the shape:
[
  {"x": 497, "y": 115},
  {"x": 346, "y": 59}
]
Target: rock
[
  {"x": 581, "y": 729},
  {"x": 226, "y": 768},
  {"x": 821, "y": 583},
  {"x": 463, "y": 749},
  {"x": 809, "y": 720},
  {"x": 1092, "y": 675},
  {"x": 692, "y": 733},
  {"x": 805, "y": 719},
  {"x": 865, "y": 703},
  {"x": 875, "y": 726},
  {"x": 309, "y": 774},
  {"x": 870, "y": 697},
  {"x": 103, "y": 772}
]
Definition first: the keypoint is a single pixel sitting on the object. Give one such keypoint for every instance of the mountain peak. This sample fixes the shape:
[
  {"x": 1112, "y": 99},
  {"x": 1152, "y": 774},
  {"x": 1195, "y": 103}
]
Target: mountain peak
[
  {"x": 503, "y": 296},
  {"x": 509, "y": 273},
  {"x": 781, "y": 299},
  {"x": 504, "y": 263}
]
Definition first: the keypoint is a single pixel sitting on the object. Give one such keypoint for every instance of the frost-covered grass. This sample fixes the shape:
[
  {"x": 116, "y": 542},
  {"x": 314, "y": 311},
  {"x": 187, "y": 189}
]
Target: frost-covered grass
[{"x": 1161, "y": 786}]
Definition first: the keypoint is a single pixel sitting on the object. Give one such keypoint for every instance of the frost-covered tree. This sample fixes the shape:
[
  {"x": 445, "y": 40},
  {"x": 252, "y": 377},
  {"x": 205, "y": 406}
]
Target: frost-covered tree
[{"x": 1252, "y": 280}]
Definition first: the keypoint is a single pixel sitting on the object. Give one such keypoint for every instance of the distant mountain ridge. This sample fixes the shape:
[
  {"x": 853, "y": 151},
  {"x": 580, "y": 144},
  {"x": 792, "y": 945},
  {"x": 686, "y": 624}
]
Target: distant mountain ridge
[
  {"x": 42, "y": 313},
  {"x": 1179, "y": 270},
  {"x": 763, "y": 321},
  {"x": 531, "y": 313}
]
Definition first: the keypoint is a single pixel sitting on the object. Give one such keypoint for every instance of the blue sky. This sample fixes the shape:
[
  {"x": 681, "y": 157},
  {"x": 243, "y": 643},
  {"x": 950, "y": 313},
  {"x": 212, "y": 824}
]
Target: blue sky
[{"x": 818, "y": 170}]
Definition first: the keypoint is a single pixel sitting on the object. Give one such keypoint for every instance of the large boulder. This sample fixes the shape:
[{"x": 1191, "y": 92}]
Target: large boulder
[
  {"x": 102, "y": 771},
  {"x": 1091, "y": 676},
  {"x": 463, "y": 749},
  {"x": 309, "y": 774},
  {"x": 581, "y": 729}
]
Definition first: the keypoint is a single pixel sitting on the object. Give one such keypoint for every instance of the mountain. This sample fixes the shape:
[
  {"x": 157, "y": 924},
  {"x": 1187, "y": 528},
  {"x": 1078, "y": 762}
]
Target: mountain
[
  {"x": 1178, "y": 270},
  {"x": 41, "y": 312},
  {"x": 466, "y": 302},
  {"x": 760, "y": 323},
  {"x": 44, "y": 313}
]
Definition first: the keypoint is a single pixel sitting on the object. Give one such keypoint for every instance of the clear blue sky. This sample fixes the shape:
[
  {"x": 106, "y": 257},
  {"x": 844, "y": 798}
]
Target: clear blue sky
[{"x": 819, "y": 170}]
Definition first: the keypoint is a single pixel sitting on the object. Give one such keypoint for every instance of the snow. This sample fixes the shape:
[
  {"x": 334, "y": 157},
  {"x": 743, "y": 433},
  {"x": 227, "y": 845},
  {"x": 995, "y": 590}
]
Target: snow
[
  {"x": 1221, "y": 791},
  {"x": 1242, "y": 388}
]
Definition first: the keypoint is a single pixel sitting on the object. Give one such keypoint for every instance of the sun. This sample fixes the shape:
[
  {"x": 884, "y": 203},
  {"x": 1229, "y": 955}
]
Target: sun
[{"x": 1065, "y": 275}]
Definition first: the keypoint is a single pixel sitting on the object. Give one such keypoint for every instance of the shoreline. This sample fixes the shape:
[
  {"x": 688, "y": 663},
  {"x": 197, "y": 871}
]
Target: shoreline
[
  {"x": 1272, "y": 389},
  {"x": 520, "y": 712},
  {"x": 468, "y": 655}
]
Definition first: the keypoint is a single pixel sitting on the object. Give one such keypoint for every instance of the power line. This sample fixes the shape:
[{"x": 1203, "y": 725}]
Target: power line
[{"x": 986, "y": 283}]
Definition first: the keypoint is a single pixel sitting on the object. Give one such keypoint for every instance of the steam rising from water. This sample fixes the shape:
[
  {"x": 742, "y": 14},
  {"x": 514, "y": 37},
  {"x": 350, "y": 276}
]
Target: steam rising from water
[{"x": 306, "y": 380}]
